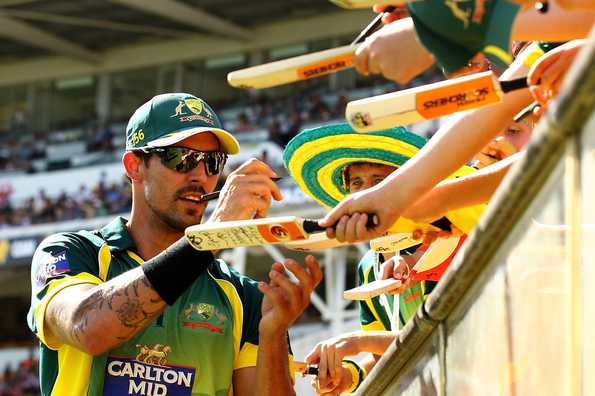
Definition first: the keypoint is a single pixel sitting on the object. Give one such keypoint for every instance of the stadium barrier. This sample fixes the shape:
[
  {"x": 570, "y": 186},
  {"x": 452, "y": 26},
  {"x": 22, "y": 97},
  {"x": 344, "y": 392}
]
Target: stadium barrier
[{"x": 511, "y": 315}]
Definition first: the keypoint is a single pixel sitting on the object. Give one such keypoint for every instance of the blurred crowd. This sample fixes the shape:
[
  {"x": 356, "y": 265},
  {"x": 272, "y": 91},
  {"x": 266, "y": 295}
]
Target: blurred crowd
[
  {"x": 282, "y": 117},
  {"x": 101, "y": 200},
  {"x": 21, "y": 381}
]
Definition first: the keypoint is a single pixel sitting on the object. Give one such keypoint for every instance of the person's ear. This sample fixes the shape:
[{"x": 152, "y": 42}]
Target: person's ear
[{"x": 132, "y": 165}]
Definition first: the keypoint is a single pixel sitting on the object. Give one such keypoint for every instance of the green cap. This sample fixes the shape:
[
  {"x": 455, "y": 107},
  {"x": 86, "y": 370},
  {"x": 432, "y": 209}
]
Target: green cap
[
  {"x": 455, "y": 30},
  {"x": 170, "y": 118}
]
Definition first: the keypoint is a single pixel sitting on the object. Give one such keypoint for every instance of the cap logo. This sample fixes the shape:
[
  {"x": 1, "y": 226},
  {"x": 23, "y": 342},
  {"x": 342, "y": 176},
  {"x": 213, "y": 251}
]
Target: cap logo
[
  {"x": 458, "y": 12},
  {"x": 196, "y": 107},
  {"x": 179, "y": 109}
]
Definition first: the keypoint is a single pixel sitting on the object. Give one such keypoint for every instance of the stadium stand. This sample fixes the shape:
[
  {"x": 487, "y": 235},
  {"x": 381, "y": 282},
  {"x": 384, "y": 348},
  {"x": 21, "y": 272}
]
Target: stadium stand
[{"x": 63, "y": 110}]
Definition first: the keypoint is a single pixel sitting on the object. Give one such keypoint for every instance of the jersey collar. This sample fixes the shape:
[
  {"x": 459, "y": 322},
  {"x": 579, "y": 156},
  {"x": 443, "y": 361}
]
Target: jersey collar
[{"x": 116, "y": 235}]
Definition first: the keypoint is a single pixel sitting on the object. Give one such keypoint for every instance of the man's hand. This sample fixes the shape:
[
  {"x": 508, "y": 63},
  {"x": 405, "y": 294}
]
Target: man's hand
[
  {"x": 247, "y": 193},
  {"x": 328, "y": 355},
  {"x": 333, "y": 378},
  {"x": 284, "y": 301},
  {"x": 400, "y": 268},
  {"x": 330, "y": 388},
  {"x": 395, "y": 52},
  {"x": 547, "y": 73},
  {"x": 349, "y": 217}
]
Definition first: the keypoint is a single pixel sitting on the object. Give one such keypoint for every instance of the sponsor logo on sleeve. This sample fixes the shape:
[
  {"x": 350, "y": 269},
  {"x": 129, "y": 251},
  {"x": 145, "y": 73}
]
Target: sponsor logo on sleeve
[
  {"x": 148, "y": 374},
  {"x": 52, "y": 265}
]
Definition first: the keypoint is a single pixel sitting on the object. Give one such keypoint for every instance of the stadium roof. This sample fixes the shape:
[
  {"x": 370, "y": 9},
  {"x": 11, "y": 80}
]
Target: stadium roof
[
  {"x": 43, "y": 40},
  {"x": 83, "y": 29}
]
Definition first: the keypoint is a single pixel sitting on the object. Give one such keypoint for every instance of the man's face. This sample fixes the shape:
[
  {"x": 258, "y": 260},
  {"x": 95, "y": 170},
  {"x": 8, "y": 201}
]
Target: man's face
[
  {"x": 172, "y": 196},
  {"x": 365, "y": 175}
]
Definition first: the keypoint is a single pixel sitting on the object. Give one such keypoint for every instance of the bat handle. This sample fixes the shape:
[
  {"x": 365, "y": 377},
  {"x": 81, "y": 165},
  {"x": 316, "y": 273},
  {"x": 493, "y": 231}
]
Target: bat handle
[
  {"x": 511, "y": 85},
  {"x": 311, "y": 226},
  {"x": 311, "y": 370},
  {"x": 443, "y": 223}
]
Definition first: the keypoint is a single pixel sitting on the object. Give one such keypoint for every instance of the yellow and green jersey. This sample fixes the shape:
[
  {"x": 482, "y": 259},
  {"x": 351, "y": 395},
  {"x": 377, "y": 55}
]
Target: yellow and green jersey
[
  {"x": 192, "y": 348},
  {"x": 375, "y": 313}
]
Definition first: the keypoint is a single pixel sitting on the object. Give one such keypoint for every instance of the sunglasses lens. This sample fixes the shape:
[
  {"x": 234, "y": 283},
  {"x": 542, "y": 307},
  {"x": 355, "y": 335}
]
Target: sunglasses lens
[
  {"x": 214, "y": 162},
  {"x": 211, "y": 164},
  {"x": 183, "y": 160}
]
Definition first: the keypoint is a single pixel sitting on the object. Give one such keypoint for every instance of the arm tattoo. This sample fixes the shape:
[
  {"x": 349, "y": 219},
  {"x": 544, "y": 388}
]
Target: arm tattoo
[{"x": 134, "y": 305}]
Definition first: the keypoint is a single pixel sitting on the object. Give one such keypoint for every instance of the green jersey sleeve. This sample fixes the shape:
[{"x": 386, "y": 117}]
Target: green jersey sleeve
[{"x": 60, "y": 261}]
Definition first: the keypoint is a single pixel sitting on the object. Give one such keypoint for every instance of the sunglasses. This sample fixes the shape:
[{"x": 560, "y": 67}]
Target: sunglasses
[{"x": 183, "y": 160}]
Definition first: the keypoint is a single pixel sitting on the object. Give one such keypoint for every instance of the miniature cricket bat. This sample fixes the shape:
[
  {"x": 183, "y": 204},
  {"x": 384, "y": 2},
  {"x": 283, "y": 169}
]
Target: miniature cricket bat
[
  {"x": 389, "y": 243},
  {"x": 429, "y": 101},
  {"x": 302, "y": 67},
  {"x": 314, "y": 243},
  {"x": 371, "y": 289},
  {"x": 437, "y": 258},
  {"x": 294, "y": 69},
  {"x": 256, "y": 232},
  {"x": 430, "y": 266},
  {"x": 397, "y": 241},
  {"x": 393, "y": 243}
]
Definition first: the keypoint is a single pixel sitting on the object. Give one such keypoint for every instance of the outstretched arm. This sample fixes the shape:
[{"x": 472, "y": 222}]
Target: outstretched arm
[
  {"x": 473, "y": 189},
  {"x": 453, "y": 145}
]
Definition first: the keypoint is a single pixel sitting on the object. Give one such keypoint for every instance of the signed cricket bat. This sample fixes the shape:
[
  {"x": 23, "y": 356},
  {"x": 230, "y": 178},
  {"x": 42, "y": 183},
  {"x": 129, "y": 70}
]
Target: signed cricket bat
[
  {"x": 294, "y": 69},
  {"x": 302, "y": 67},
  {"x": 256, "y": 232},
  {"x": 393, "y": 243},
  {"x": 430, "y": 266},
  {"x": 396, "y": 242},
  {"x": 371, "y": 289},
  {"x": 429, "y": 101},
  {"x": 315, "y": 242}
]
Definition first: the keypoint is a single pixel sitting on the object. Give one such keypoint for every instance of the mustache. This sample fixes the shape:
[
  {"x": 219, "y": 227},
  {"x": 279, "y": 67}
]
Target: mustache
[{"x": 190, "y": 189}]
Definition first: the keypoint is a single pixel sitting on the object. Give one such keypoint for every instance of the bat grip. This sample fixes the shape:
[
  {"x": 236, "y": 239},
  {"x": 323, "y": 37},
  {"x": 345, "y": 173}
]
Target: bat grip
[
  {"x": 311, "y": 370},
  {"x": 311, "y": 226},
  {"x": 511, "y": 85},
  {"x": 443, "y": 223}
]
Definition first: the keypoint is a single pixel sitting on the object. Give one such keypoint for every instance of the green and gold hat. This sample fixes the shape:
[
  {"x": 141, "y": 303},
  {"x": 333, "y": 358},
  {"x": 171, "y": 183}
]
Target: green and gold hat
[
  {"x": 315, "y": 159},
  {"x": 455, "y": 30},
  {"x": 170, "y": 118}
]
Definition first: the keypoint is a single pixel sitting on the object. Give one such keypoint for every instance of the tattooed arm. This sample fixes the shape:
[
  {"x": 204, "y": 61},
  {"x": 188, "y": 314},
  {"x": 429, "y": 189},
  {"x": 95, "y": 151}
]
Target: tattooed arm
[{"x": 97, "y": 318}]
